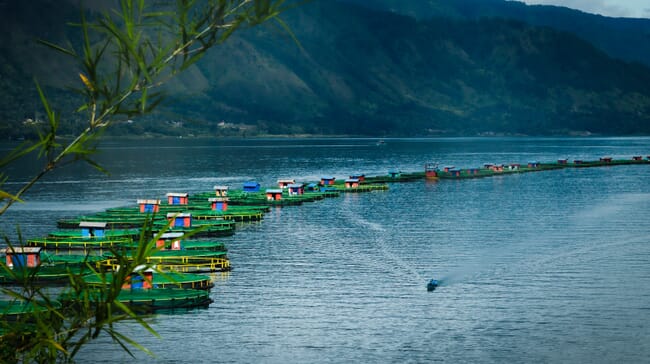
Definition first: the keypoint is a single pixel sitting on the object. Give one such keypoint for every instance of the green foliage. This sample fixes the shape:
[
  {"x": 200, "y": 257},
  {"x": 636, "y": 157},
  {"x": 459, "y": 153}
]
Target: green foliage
[
  {"x": 373, "y": 73},
  {"x": 444, "y": 69},
  {"x": 54, "y": 330},
  {"x": 622, "y": 38},
  {"x": 125, "y": 56}
]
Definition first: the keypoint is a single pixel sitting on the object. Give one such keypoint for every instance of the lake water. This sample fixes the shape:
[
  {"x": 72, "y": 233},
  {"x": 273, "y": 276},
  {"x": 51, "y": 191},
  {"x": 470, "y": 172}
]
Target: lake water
[{"x": 538, "y": 267}]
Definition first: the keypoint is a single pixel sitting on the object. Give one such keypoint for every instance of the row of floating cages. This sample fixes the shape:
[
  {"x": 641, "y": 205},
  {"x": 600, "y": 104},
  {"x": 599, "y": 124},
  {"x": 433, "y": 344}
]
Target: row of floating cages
[
  {"x": 606, "y": 159},
  {"x": 92, "y": 229},
  {"x": 432, "y": 170},
  {"x": 220, "y": 203},
  {"x": 153, "y": 206},
  {"x": 221, "y": 191}
]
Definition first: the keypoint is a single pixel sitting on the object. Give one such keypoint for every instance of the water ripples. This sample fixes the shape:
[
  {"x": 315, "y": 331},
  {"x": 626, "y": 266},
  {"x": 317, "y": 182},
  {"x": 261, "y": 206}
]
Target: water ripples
[{"x": 537, "y": 267}]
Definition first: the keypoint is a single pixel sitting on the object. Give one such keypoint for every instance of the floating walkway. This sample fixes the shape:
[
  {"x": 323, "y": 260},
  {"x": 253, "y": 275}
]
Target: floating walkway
[
  {"x": 193, "y": 261},
  {"x": 82, "y": 243}
]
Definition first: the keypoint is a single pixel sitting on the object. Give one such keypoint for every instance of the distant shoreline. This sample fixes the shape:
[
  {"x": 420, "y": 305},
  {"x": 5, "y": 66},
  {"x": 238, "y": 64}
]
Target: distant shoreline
[{"x": 346, "y": 136}]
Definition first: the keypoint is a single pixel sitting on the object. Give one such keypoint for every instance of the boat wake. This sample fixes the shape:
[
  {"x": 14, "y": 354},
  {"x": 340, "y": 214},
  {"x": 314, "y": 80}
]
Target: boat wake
[{"x": 378, "y": 234}]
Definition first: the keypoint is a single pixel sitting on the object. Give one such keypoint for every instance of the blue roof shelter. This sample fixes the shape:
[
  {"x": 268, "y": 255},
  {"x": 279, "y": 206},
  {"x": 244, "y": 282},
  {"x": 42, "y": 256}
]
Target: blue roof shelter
[{"x": 251, "y": 186}]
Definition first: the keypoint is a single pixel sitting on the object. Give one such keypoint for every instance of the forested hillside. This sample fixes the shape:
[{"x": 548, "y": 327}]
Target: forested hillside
[{"x": 359, "y": 71}]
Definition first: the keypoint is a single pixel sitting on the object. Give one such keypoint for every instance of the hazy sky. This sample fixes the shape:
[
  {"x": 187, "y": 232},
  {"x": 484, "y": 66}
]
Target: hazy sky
[{"x": 615, "y": 8}]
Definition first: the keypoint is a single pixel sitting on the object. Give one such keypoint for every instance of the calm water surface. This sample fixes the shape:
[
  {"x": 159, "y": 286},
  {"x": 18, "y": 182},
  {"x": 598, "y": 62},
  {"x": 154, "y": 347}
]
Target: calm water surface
[{"x": 538, "y": 267}]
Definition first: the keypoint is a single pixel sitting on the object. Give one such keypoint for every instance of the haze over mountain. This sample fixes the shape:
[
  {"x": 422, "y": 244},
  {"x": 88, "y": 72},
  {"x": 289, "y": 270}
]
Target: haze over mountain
[{"x": 467, "y": 69}]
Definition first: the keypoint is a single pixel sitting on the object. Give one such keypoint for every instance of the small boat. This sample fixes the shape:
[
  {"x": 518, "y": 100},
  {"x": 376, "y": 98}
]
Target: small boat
[
  {"x": 381, "y": 142},
  {"x": 432, "y": 285}
]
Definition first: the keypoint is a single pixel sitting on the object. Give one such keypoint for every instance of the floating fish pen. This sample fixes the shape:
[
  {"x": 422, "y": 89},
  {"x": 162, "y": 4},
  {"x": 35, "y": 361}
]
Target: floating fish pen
[
  {"x": 112, "y": 221},
  {"x": 158, "y": 280},
  {"x": 164, "y": 298},
  {"x": 327, "y": 192},
  {"x": 71, "y": 259},
  {"x": 184, "y": 223},
  {"x": 11, "y": 310},
  {"x": 394, "y": 176},
  {"x": 351, "y": 187},
  {"x": 201, "y": 208},
  {"x": 490, "y": 169},
  {"x": 124, "y": 218},
  {"x": 133, "y": 211},
  {"x": 292, "y": 195},
  {"x": 149, "y": 300},
  {"x": 97, "y": 234},
  {"x": 188, "y": 220},
  {"x": 175, "y": 241},
  {"x": 234, "y": 213},
  {"x": 205, "y": 231},
  {"x": 307, "y": 197},
  {"x": 263, "y": 198},
  {"x": 204, "y": 245},
  {"x": 43, "y": 274},
  {"x": 607, "y": 161},
  {"x": 26, "y": 264}
]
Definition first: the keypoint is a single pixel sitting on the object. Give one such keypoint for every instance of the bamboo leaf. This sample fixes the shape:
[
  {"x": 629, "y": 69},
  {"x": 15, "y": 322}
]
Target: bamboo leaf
[
  {"x": 133, "y": 343},
  {"x": 18, "y": 152},
  {"x": 58, "y": 48},
  {"x": 143, "y": 100},
  {"x": 96, "y": 166},
  {"x": 6, "y": 195},
  {"x": 44, "y": 102},
  {"x": 86, "y": 82}
]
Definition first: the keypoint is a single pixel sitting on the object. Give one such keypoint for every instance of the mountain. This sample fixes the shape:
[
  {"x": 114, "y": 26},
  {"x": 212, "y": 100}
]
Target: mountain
[
  {"x": 23, "y": 61},
  {"x": 375, "y": 72},
  {"x": 359, "y": 71},
  {"x": 624, "y": 38}
]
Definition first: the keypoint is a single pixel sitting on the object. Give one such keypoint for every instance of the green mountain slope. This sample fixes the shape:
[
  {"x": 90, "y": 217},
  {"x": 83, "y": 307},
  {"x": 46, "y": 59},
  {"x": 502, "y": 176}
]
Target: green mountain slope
[
  {"x": 627, "y": 39},
  {"x": 366, "y": 72}
]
